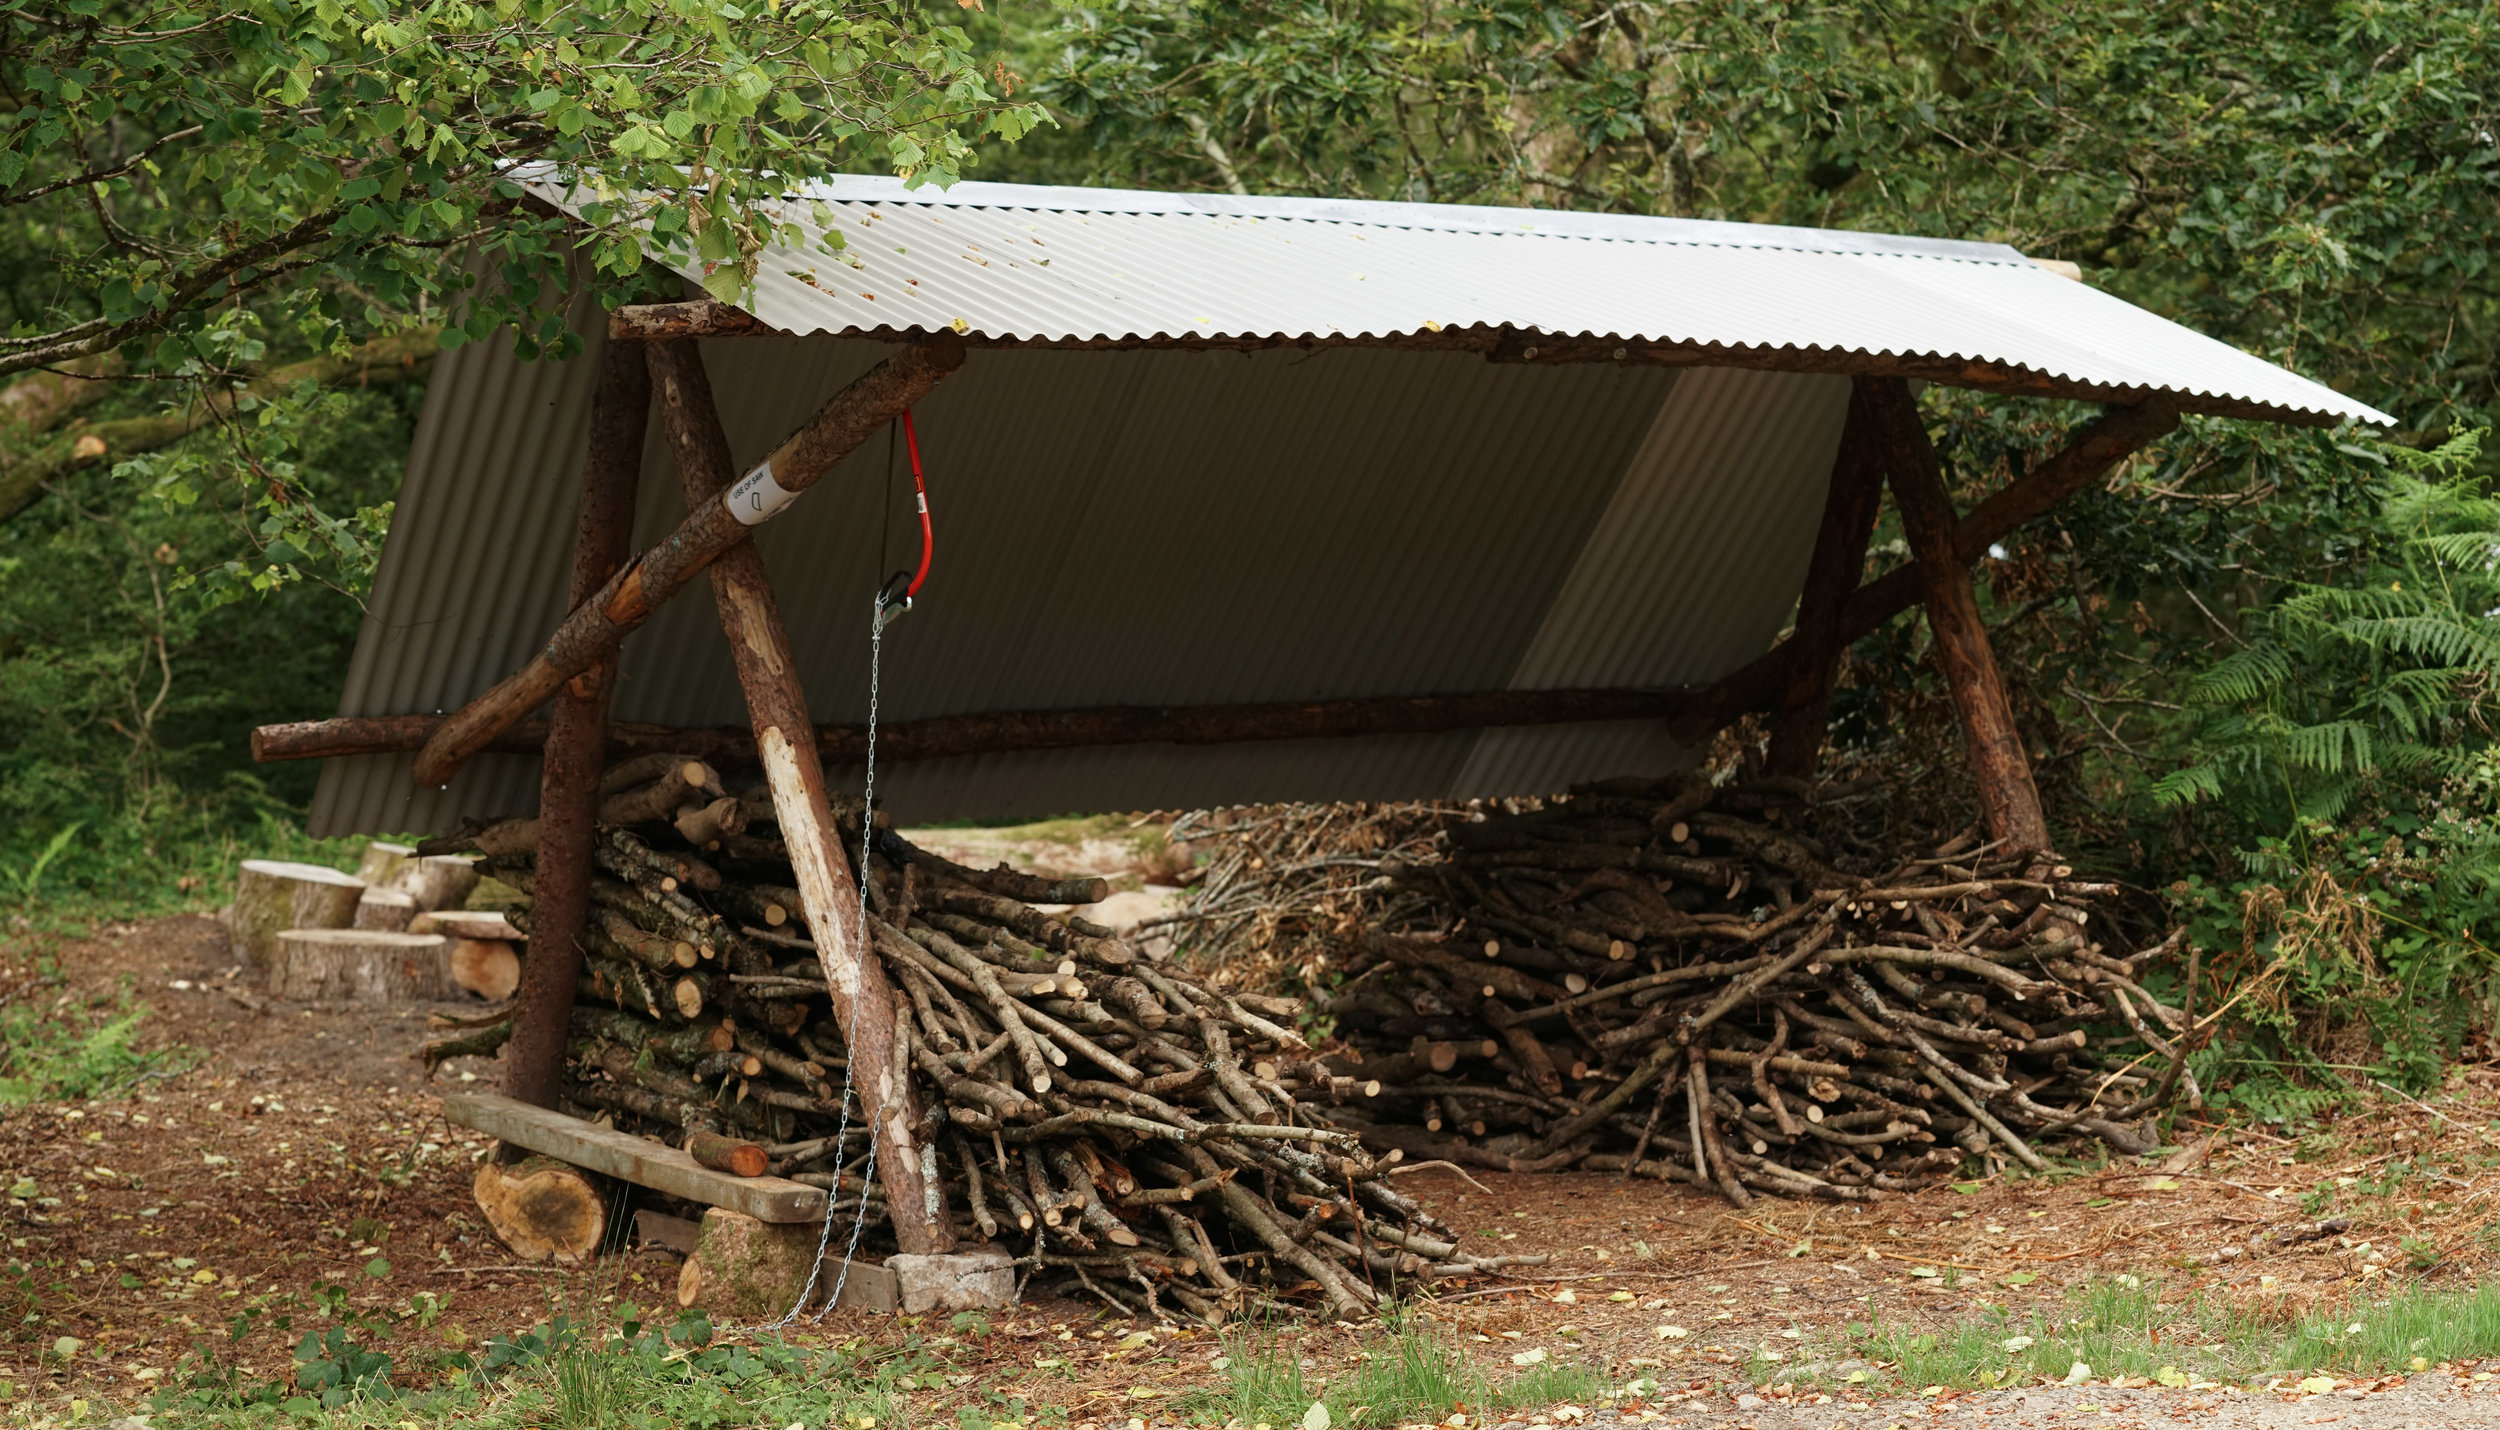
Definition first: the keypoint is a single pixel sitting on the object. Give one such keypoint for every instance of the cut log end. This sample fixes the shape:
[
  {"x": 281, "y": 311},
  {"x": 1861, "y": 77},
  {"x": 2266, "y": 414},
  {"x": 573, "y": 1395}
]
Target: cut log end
[
  {"x": 542, "y": 1209},
  {"x": 733, "y": 1155},
  {"x": 486, "y": 967}
]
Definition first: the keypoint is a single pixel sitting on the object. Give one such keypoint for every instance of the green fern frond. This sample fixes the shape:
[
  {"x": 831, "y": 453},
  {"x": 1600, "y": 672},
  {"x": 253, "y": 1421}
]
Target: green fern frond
[
  {"x": 2242, "y": 676},
  {"x": 2193, "y": 785}
]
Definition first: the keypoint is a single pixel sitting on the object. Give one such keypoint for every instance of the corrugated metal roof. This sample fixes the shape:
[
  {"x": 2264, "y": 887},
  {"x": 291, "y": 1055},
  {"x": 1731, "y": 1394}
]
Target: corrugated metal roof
[
  {"x": 1005, "y": 261},
  {"x": 1190, "y": 527}
]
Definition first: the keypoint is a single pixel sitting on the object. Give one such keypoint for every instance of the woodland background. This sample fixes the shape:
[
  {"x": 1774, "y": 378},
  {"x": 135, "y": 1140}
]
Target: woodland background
[{"x": 2258, "y": 672}]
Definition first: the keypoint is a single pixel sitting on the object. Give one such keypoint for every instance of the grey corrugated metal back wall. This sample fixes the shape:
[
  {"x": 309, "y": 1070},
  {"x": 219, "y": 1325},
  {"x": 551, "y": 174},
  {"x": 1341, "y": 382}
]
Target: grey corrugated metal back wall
[{"x": 1141, "y": 527}]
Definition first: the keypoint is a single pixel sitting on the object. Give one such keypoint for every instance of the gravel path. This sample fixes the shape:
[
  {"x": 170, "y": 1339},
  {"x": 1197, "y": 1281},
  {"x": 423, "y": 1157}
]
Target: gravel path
[{"x": 2431, "y": 1399}]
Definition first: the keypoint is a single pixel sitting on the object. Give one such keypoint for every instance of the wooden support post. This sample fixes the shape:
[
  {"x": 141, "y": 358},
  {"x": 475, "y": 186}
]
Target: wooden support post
[
  {"x": 577, "y": 736},
  {"x": 2006, "y": 791},
  {"x": 1849, "y": 507},
  {"x": 597, "y": 625},
  {"x": 863, "y": 1002},
  {"x": 2107, "y": 441}
]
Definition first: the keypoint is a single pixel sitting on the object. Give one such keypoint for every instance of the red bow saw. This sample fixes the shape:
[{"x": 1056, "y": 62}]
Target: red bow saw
[{"x": 889, "y": 604}]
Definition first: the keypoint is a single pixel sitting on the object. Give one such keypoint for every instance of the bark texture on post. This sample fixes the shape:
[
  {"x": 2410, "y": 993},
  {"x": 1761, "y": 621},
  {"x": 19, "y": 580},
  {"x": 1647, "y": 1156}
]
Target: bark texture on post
[
  {"x": 577, "y": 736},
  {"x": 2003, "y": 768},
  {"x": 1849, "y": 507},
  {"x": 599, "y": 623},
  {"x": 863, "y": 1002}
]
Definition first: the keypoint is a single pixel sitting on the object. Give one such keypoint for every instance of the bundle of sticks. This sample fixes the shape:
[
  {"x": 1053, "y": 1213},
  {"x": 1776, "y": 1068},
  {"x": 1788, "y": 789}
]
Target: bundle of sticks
[
  {"x": 1284, "y": 884},
  {"x": 1672, "y": 979},
  {"x": 1134, "y": 1134}
]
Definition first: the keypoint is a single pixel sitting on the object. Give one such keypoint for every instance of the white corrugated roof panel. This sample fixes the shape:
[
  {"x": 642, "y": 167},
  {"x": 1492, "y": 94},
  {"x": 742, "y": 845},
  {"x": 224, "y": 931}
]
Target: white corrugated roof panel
[
  {"x": 1060, "y": 265},
  {"x": 1165, "y": 526}
]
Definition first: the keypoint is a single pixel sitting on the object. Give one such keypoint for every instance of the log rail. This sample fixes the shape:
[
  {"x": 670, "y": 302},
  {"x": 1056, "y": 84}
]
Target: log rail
[{"x": 1691, "y": 715}]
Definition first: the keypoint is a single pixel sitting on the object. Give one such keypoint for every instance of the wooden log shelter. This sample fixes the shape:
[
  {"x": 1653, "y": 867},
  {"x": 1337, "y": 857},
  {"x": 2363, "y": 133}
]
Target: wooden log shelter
[{"x": 1235, "y": 499}]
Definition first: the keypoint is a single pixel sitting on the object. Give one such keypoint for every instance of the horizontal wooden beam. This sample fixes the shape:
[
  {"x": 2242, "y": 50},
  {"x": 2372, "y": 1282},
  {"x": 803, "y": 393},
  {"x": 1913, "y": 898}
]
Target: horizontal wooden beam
[
  {"x": 1691, "y": 715},
  {"x": 629, "y": 1158},
  {"x": 704, "y": 318},
  {"x": 996, "y": 732}
]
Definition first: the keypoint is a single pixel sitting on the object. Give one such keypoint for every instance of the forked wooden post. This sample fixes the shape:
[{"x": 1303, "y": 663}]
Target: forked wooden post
[
  {"x": 863, "y": 1002},
  {"x": 2006, "y": 792},
  {"x": 577, "y": 736},
  {"x": 1849, "y": 507}
]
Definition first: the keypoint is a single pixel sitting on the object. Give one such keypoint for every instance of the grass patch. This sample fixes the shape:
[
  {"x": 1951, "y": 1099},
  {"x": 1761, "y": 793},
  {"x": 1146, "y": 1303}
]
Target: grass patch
[
  {"x": 66, "y": 1051},
  {"x": 562, "y": 1376},
  {"x": 2121, "y": 1326},
  {"x": 1410, "y": 1369}
]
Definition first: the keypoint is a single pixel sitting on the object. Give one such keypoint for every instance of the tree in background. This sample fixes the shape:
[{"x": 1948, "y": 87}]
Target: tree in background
[
  {"x": 2317, "y": 184},
  {"x": 218, "y": 218}
]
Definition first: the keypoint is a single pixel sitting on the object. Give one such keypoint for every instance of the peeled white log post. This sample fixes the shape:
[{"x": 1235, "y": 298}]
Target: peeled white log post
[
  {"x": 759, "y": 645},
  {"x": 360, "y": 966},
  {"x": 386, "y": 910},
  {"x": 724, "y": 521},
  {"x": 272, "y": 895}
]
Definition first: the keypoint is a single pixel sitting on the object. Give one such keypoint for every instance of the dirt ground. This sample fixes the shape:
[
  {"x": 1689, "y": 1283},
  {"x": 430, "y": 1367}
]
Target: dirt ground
[{"x": 296, "y": 1156}]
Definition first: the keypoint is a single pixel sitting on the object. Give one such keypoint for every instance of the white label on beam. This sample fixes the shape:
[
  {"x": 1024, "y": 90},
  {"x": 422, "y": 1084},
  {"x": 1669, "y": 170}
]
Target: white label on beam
[{"x": 757, "y": 498}]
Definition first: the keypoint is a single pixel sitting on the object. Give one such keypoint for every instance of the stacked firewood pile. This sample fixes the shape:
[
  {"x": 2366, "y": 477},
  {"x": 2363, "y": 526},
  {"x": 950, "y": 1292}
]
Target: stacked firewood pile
[
  {"x": 1131, "y": 1132},
  {"x": 1679, "y": 980},
  {"x": 1284, "y": 885}
]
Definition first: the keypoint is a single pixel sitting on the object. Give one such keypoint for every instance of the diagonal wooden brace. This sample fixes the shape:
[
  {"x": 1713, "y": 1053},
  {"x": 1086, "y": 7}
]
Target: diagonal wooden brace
[
  {"x": 863, "y": 1002},
  {"x": 598, "y": 625},
  {"x": 2111, "y": 438}
]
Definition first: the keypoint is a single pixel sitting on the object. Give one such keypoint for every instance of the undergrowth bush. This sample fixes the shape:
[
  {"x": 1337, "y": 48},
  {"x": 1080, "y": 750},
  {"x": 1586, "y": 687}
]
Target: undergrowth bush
[{"x": 2345, "y": 742}]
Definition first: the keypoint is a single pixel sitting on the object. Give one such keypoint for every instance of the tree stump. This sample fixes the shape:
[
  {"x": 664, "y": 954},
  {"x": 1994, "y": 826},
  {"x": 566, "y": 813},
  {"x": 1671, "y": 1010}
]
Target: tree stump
[
  {"x": 360, "y": 966},
  {"x": 382, "y": 862},
  {"x": 386, "y": 910},
  {"x": 467, "y": 923},
  {"x": 744, "y": 1270},
  {"x": 272, "y": 895},
  {"x": 486, "y": 967},
  {"x": 442, "y": 881},
  {"x": 540, "y": 1208}
]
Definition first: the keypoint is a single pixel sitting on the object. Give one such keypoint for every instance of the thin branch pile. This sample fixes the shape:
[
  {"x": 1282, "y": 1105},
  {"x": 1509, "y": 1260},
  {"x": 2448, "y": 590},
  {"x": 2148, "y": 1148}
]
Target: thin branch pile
[
  {"x": 1134, "y": 1134},
  {"x": 1673, "y": 978}
]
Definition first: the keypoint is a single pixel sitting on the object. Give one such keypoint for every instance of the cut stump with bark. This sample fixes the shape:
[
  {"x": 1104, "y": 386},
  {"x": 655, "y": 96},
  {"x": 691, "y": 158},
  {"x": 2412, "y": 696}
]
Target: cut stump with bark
[
  {"x": 382, "y": 862},
  {"x": 541, "y": 1208},
  {"x": 467, "y": 923},
  {"x": 272, "y": 896},
  {"x": 387, "y": 910},
  {"x": 744, "y": 1270},
  {"x": 486, "y": 967},
  {"x": 360, "y": 966},
  {"x": 442, "y": 881}
]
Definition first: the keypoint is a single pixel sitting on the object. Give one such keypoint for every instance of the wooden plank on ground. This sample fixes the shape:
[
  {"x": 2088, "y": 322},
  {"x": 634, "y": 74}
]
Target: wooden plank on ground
[{"x": 621, "y": 1155}]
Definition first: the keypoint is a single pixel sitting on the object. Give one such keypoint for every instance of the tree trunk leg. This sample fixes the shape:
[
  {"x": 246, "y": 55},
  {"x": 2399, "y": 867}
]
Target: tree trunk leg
[
  {"x": 568, "y": 781},
  {"x": 863, "y": 1001},
  {"x": 1849, "y": 507},
  {"x": 2006, "y": 792}
]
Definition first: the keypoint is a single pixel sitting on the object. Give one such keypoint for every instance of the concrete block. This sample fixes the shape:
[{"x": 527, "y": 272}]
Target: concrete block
[
  {"x": 868, "y": 1287},
  {"x": 959, "y": 1281}
]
